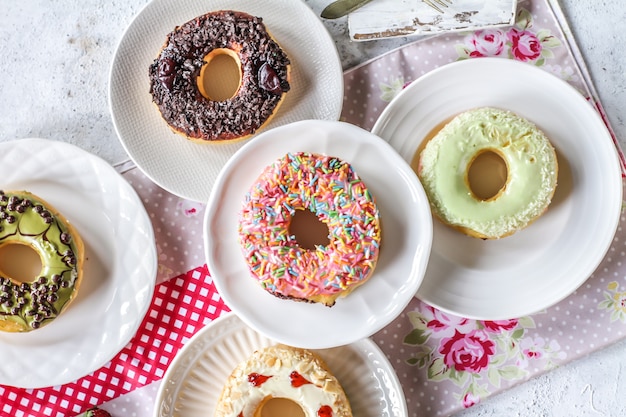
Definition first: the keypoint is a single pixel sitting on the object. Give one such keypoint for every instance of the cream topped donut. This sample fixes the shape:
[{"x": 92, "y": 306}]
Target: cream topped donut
[
  {"x": 177, "y": 77},
  {"x": 283, "y": 372},
  {"x": 26, "y": 219},
  {"x": 531, "y": 172},
  {"x": 330, "y": 189}
]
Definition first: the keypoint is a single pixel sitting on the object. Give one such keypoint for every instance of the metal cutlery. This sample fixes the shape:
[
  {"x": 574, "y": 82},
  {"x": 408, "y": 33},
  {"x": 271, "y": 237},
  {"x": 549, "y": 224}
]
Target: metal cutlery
[{"x": 341, "y": 8}]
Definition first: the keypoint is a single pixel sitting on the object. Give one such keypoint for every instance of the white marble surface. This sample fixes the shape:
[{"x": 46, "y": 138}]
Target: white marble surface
[{"x": 54, "y": 61}]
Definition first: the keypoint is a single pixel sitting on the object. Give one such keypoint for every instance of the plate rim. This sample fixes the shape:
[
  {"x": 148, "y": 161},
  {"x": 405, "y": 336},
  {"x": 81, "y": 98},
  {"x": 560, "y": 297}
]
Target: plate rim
[
  {"x": 422, "y": 249},
  {"x": 81, "y": 369},
  {"x": 362, "y": 345},
  {"x": 609, "y": 147},
  {"x": 165, "y": 181}
]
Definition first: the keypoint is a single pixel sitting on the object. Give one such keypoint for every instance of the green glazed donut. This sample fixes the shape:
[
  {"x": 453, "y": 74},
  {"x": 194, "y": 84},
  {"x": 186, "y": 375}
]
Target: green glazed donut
[
  {"x": 26, "y": 219},
  {"x": 531, "y": 172}
]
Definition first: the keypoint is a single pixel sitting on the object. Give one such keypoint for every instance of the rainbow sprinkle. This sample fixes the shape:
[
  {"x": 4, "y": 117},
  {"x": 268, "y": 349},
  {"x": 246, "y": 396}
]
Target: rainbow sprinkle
[{"x": 328, "y": 187}]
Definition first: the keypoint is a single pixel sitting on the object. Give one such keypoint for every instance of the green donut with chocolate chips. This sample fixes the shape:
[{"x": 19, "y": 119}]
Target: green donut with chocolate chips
[{"x": 26, "y": 219}]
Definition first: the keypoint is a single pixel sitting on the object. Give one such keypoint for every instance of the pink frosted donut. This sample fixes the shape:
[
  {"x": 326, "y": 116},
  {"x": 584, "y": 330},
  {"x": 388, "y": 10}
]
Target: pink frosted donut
[{"x": 330, "y": 189}]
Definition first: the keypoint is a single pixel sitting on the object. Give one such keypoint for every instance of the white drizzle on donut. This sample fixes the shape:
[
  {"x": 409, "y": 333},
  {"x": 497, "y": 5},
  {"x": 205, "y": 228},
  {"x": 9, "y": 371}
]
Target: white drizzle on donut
[{"x": 283, "y": 372}]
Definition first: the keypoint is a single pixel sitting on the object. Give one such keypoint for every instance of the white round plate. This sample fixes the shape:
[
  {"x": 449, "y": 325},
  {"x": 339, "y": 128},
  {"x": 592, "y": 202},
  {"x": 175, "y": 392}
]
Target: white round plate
[
  {"x": 542, "y": 264},
  {"x": 194, "y": 381},
  {"x": 119, "y": 270},
  {"x": 405, "y": 245},
  {"x": 189, "y": 169}
]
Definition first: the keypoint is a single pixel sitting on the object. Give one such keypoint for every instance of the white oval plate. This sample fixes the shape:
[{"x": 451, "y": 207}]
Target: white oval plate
[
  {"x": 542, "y": 264},
  {"x": 189, "y": 169},
  {"x": 406, "y": 237},
  {"x": 119, "y": 271},
  {"x": 194, "y": 381}
]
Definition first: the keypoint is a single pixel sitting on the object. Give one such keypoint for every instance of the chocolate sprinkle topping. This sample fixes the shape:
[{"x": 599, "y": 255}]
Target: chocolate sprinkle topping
[{"x": 173, "y": 76}]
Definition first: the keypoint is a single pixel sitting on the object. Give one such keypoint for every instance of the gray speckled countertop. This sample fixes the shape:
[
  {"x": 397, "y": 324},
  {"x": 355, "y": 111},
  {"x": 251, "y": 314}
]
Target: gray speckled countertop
[{"x": 55, "y": 57}]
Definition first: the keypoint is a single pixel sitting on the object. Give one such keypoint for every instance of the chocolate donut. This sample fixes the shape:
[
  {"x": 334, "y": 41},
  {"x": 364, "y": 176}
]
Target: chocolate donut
[
  {"x": 26, "y": 219},
  {"x": 175, "y": 76}
]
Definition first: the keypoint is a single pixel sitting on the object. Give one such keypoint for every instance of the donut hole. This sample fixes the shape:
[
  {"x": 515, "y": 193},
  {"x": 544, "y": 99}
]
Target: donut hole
[
  {"x": 277, "y": 407},
  {"x": 220, "y": 76},
  {"x": 308, "y": 229},
  {"x": 487, "y": 175},
  {"x": 20, "y": 262}
]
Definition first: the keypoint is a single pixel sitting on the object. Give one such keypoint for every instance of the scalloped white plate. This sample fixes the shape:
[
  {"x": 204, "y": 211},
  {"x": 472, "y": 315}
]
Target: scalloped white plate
[
  {"x": 194, "y": 380},
  {"x": 119, "y": 271},
  {"x": 189, "y": 169},
  {"x": 405, "y": 246},
  {"x": 542, "y": 264}
]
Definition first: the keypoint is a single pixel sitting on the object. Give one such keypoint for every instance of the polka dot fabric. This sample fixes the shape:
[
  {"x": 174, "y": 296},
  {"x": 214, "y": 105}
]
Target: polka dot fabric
[{"x": 446, "y": 363}]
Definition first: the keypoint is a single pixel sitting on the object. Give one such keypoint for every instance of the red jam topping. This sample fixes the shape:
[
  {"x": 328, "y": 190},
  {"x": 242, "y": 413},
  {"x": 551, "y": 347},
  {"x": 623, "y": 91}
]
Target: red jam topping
[
  {"x": 325, "y": 411},
  {"x": 257, "y": 379},
  {"x": 297, "y": 380}
]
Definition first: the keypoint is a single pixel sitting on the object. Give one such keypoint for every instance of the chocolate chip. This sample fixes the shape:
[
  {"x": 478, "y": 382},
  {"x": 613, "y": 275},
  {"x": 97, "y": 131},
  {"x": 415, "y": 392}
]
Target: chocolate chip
[
  {"x": 166, "y": 73},
  {"x": 66, "y": 238}
]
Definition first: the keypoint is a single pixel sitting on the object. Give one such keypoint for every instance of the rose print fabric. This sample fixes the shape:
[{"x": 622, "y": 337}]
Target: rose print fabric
[
  {"x": 446, "y": 363},
  {"x": 520, "y": 42}
]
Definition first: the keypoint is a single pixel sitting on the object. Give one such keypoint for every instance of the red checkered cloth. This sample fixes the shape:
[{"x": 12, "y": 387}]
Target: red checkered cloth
[{"x": 180, "y": 307}]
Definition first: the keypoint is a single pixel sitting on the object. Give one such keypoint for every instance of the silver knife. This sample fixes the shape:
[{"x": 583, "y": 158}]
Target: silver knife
[{"x": 341, "y": 8}]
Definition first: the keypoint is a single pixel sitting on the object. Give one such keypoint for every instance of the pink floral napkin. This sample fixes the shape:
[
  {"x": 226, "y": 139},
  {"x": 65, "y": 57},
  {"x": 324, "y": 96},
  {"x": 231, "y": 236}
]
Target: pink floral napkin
[{"x": 445, "y": 362}]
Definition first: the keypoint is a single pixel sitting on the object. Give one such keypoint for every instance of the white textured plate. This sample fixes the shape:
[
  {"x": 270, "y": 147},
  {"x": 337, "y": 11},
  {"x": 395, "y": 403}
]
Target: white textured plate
[
  {"x": 406, "y": 237},
  {"x": 189, "y": 169},
  {"x": 542, "y": 264},
  {"x": 194, "y": 381},
  {"x": 120, "y": 263}
]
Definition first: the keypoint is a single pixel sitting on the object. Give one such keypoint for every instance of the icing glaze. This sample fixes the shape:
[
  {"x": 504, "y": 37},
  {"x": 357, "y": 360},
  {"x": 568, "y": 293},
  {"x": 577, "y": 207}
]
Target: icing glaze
[
  {"x": 264, "y": 74},
  {"x": 531, "y": 172},
  {"x": 26, "y": 219},
  {"x": 283, "y": 372},
  {"x": 330, "y": 189}
]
